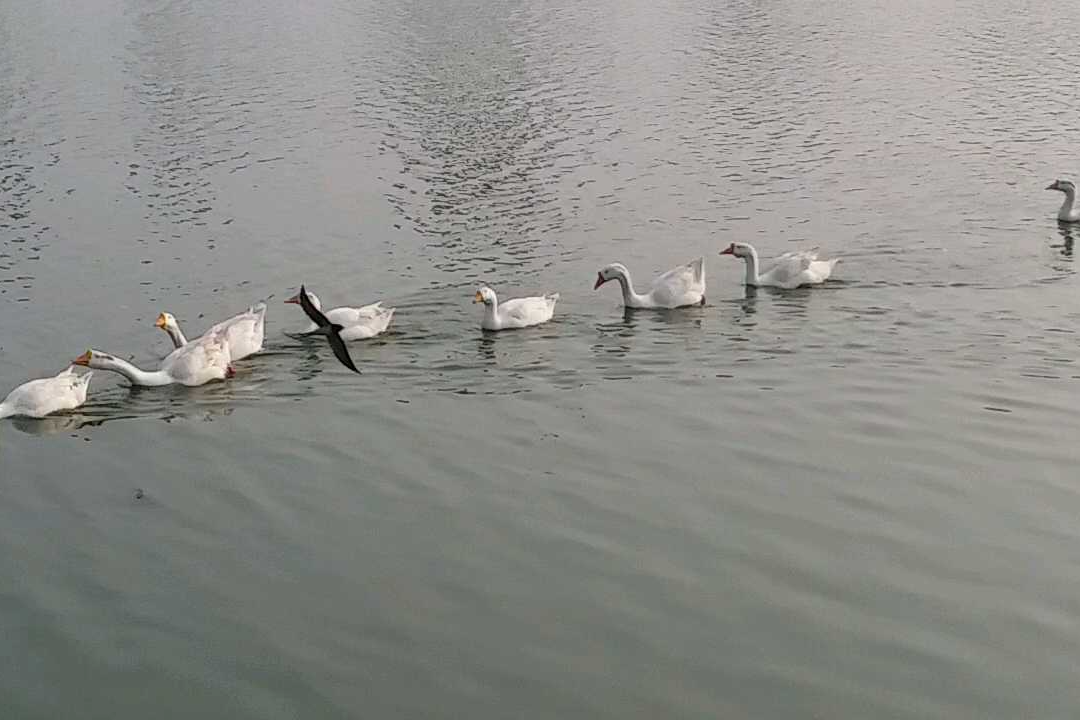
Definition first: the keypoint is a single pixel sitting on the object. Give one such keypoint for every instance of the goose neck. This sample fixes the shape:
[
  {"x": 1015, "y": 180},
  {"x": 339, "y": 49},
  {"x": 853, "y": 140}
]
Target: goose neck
[
  {"x": 630, "y": 297},
  {"x": 751, "y": 266},
  {"x": 176, "y": 335},
  {"x": 136, "y": 375},
  {"x": 491, "y": 311},
  {"x": 1067, "y": 211}
]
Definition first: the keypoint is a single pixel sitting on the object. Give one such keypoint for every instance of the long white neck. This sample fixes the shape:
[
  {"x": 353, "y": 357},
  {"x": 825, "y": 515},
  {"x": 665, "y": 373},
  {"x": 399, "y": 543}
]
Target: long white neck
[
  {"x": 630, "y": 298},
  {"x": 132, "y": 373},
  {"x": 176, "y": 335},
  {"x": 491, "y": 311},
  {"x": 751, "y": 267},
  {"x": 1066, "y": 212}
]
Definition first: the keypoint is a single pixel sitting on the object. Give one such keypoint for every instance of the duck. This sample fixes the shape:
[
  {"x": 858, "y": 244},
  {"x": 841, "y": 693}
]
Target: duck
[
  {"x": 200, "y": 361},
  {"x": 357, "y": 323},
  {"x": 679, "y": 287},
  {"x": 789, "y": 271},
  {"x": 38, "y": 398},
  {"x": 323, "y": 326},
  {"x": 244, "y": 332},
  {"x": 1068, "y": 211},
  {"x": 514, "y": 313}
]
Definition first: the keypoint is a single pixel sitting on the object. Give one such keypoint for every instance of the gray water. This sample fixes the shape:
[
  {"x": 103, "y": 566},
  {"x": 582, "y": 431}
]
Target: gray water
[{"x": 855, "y": 501}]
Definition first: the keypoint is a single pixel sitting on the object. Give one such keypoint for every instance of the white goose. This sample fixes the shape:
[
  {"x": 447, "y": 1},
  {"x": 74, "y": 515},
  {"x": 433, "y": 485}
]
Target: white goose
[
  {"x": 357, "y": 323},
  {"x": 196, "y": 363},
  {"x": 789, "y": 271},
  {"x": 1068, "y": 211},
  {"x": 243, "y": 332},
  {"x": 515, "y": 313},
  {"x": 678, "y": 287},
  {"x": 38, "y": 398}
]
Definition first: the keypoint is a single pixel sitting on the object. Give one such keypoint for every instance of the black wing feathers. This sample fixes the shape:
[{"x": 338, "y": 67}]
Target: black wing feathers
[{"x": 330, "y": 330}]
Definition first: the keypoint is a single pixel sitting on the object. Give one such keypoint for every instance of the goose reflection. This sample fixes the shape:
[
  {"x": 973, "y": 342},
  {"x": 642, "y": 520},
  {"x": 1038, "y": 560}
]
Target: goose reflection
[
  {"x": 1067, "y": 231},
  {"x": 54, "y": 424},
  {"x": 486, "y": 346},
  {"x": 750, "y": 300}
]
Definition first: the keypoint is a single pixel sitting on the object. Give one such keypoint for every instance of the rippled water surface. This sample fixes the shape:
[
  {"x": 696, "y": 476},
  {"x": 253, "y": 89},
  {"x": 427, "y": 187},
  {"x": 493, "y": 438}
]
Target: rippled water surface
[{"x": 856, "y": 501}]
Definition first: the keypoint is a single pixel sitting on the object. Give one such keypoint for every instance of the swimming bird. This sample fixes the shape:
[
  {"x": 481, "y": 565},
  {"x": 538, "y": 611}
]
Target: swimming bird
[
  {"x": 243, "y": 332},
  {"x": 678, "y": 287},
  {"x": 196, "y": 363},
  {"x": 789, "y": 271},
  {"x": 38, "y": 398},
  {"x": 359, "y": 323},
  {"x": 514, "y": 313},
  {"x": 331, "y": 330},
  {"x": 1068, "y": 211}
]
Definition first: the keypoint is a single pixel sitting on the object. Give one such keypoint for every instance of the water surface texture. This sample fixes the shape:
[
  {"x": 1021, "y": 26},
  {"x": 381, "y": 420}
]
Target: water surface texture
[{"x": 856, "y": 501}]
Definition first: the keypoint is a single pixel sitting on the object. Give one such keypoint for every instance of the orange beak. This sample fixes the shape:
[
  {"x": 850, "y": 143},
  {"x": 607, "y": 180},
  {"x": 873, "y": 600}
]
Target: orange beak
[
  {"x": 83, "y": 359},
  {"x": 161, "y": 321}
]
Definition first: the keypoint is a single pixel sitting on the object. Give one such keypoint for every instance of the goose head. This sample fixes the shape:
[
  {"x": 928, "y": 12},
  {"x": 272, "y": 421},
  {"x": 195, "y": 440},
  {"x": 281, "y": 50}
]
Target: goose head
[
  {"x": 167, "y": 322},
  {"x": 484, "y": 295},
  {"x": 295, "y": 299},
  {"x": 738, "y": 249},
  {"x": 1062, "y": 186},
  {"x": 96, "y": 359},
  {"x": 614, "y": 271}
]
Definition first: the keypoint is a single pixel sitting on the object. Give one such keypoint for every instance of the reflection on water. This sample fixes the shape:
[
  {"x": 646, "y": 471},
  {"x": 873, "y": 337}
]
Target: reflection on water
[
  {"x": 53, "y": 424},
  {"x": 1067, "y": 231}
]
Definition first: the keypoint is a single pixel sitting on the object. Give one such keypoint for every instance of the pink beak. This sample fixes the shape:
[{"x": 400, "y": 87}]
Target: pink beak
[{"x": 599, "y": 281}]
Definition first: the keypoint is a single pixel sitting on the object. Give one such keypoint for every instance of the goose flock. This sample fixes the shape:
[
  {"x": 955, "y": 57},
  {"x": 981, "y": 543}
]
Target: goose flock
[{"x": 210, "y": 356}]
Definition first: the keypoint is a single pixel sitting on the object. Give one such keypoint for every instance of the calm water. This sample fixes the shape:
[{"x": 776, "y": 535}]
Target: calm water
[{"x": 858, "y": 501}]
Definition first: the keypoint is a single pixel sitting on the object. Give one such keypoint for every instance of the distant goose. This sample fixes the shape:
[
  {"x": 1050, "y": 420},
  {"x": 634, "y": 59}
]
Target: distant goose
[
  {"x": 515, "y": 313},
  {"x": 196, "y": 363},
  {"x": 38, "y": 398},
  {"x": 679, "y": 287},
  {"x": 789, "y": 271},
  {"x": 331, "y": 330},
  {"x": 1068, "y": 212},
  {"x": 359, "y": 323},
  {"x": 243, "y": 332}
]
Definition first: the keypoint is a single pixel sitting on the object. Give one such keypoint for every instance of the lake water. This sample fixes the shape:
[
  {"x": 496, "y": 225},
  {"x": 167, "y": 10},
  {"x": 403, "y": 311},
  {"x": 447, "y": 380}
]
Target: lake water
[{"x": 856, "y": 501}]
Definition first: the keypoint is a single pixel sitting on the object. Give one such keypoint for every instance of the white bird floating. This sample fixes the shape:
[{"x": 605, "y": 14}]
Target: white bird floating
[
  {"x": 1068, "y": 211},
  {"x": 38, "y": 398},
  {"x": 357, "y": 323},
  {"x": 515, "y": 313},
  {"x": 196, "y": 363},
  {"x": 788, "y": 271},
  {"x": 243, "y": 332},
  {"x": 678, "y": 287}
]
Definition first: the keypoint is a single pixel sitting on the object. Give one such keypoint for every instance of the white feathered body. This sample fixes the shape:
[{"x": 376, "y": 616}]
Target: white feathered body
[
  {"x": 795, "y": 269},
  {"x": 243, "y": 332},
  {"x": 38, "y": 398},
  {"x": 200, "y": 361},
  {"x": 519, "y": 312},
  {"x": 678, "y": 287},
  {"x": 359, "y": 323}
]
